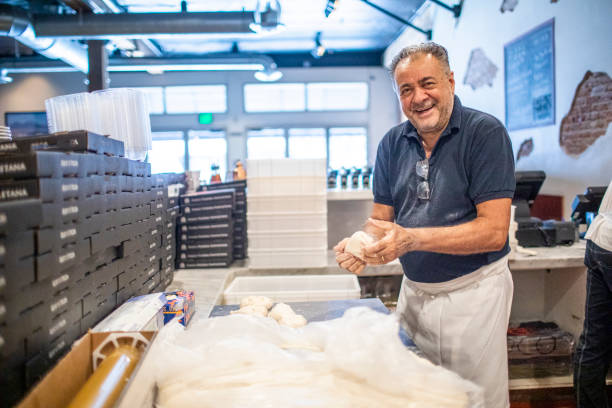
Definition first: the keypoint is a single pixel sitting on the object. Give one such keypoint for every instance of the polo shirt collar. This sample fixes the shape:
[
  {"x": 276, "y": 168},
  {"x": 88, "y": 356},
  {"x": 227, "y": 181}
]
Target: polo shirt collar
[{"x": 453, "y": 123}]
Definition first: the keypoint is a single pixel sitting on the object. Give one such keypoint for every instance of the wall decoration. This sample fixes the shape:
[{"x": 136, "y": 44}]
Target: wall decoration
[
  {"x": 480, "y": 71},
  {"x": 590, "y": 114},
  {"x": 525, "y": 149},
  {"x": 508, "y": 5},
  {"x": 529, "y": 81}
]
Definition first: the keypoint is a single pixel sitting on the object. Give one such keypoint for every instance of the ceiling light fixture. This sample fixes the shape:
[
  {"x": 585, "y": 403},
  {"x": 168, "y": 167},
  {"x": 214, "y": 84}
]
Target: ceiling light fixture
[
  {"x": 266, "y": 16},
  {"x": 319, "y": 50}
]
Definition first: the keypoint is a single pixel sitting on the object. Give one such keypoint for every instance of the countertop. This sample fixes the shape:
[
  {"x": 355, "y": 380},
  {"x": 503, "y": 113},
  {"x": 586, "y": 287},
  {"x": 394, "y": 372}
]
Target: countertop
[{"x": 209, "y": 284}]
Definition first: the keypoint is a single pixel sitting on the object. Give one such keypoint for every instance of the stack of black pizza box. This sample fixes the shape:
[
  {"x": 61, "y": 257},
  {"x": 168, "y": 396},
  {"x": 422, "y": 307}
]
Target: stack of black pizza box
[
  {"x": 81, "y": 230},
  {"x": 239, "y": 215},
  {"x": 206, "y": 229}
]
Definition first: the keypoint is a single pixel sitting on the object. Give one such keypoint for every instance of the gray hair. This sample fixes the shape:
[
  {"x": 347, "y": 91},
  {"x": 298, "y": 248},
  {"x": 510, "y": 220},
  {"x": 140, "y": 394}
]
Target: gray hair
[{"x": 436, "y": 50}]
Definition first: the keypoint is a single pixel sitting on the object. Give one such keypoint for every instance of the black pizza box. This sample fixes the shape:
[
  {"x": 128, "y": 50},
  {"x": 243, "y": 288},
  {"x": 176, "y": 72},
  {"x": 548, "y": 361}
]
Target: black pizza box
[
  {"x": 203, "y": 255},
  {"x": 208, "y": 198},
  {"x": 188, "y": 210},
  {"x": 167, "y": 271},
  {"x": 238, "y": 185},
  {"x": 53, "y": 262},
  {"x": 168, "y": 237},
  {"x": 214, "y": 216},
  {"x": 20, "y": 215},
  {"x": 19, "y": 245},
  {"x": 47, "y": 190},
  {"x": 74, "y": 141},
  {"x": 204, "y": 263},
  {"x": 225, "y": 226},
  {"x": 91, "y": 164},
  {"x": 205, "y": 244},
  {"x": 167, "y": 259},
  {"x": 173, "y": 202},
  {"x": 49, "y": 239},
  {"x": 114, "y": 165},
  {"x": 172, "y": 213},
  {"x": 17, "y": 275},
  {"x": 39, "y": 164}
]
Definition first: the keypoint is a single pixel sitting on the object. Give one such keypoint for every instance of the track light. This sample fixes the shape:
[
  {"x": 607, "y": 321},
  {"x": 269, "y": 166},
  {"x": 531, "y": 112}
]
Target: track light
[
  {"x": 266, "y": 16},
  {"x": 319, "y": 50},
  {"x": 330, "y": 7}
]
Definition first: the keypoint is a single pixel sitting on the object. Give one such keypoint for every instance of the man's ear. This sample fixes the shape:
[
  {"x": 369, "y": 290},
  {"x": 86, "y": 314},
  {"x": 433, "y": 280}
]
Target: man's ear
[{"x": 451, "y": 79}]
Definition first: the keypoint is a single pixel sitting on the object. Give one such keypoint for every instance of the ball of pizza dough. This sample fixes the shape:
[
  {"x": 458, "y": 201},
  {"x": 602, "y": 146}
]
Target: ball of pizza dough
[{"x": 357, "y": 242}]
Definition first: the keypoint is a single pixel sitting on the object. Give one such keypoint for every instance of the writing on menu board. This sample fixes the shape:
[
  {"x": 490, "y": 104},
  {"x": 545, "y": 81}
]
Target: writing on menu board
[{"x": 529, "y": 63}]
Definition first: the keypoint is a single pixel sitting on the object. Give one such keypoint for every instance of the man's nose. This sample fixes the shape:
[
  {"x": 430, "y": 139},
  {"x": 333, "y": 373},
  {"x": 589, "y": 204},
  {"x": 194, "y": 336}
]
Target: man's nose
[{"x": 419, "y": 96}]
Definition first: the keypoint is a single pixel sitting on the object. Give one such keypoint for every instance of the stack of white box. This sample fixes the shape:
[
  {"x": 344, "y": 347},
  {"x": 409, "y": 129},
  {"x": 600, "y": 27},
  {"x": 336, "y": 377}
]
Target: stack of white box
[{"x": 287, "y": 213}]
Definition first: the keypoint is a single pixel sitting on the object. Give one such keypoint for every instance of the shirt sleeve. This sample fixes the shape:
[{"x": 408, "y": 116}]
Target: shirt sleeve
[
  {"x": 381, "y": 183},
  {"x": 491, "y": 165}
]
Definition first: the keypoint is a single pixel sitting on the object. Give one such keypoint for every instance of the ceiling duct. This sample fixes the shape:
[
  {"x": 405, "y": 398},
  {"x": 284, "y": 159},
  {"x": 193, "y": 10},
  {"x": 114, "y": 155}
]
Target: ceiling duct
[
  {"x": 15, "y": 23},
  {"x": 137, "y": 25}
]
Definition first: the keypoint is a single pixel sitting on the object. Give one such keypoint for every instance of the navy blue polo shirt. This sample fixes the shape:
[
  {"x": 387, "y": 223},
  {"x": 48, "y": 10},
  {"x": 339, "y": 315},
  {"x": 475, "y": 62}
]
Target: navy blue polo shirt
[{"x": 472, "y": 162}]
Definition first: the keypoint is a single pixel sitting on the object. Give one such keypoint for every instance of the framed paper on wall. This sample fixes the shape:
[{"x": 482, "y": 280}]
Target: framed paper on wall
[{"x": 529, "y": 80}]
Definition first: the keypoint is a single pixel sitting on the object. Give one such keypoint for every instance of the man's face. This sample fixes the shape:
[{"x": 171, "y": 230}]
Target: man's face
[{"x": 425, "y": 92}]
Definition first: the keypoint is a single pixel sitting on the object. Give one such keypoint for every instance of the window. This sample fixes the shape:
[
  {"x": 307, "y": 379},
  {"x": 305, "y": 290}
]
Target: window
[
  {"x": 155, "y": 98},
  {"x": 307, "y": 143},
  {"x": 196, "y": 99},
  {"x": 348, "y": 147},
  {"x": 274, "y": 98},
  {"x": 207, "y": 147},
  {"x": 168, "y": 152},
  {"x": 266, "y": 144},
  {"x": 333, "y": 96}
]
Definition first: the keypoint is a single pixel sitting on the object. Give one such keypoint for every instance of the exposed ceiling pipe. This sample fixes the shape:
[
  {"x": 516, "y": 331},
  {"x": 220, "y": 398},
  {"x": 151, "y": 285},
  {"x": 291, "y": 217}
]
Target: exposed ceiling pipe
[
  {"x": 16, "y": 24},
  {"x": 137, "y": 25}
]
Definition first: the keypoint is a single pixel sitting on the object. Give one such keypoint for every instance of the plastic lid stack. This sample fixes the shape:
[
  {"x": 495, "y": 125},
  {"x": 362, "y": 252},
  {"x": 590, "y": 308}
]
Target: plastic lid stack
[{"x": 287, "y": 216}]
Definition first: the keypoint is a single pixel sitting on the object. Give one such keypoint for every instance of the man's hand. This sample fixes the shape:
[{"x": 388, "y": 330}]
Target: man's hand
[
  {"x": 393, "y": 241},
  {"x": 348, "y": 261}
]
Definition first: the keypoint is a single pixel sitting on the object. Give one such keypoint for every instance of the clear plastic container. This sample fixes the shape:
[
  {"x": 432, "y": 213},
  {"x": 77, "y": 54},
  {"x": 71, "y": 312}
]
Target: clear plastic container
[
  {"x": 288, "y": 222},
  {"x": 289, "y": 239},
  {"x": 287, "y": 203}
]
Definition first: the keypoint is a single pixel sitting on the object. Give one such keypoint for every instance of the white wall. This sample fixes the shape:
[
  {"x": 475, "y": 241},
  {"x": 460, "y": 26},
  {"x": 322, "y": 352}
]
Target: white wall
[
  {"x": 28, "y": 92},
  {"x": 582, "y": 42}
]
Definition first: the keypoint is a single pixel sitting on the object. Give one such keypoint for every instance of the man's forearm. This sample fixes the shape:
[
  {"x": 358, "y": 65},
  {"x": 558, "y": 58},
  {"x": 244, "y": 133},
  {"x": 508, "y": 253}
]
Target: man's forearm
[{"x": 477, "y": 236}]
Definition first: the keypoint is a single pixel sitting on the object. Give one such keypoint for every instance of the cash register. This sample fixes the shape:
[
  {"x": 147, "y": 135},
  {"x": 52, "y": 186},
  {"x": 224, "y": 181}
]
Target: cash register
[
  {"x": 585, "y": 206},
  {"x": 532, "y": 231}
]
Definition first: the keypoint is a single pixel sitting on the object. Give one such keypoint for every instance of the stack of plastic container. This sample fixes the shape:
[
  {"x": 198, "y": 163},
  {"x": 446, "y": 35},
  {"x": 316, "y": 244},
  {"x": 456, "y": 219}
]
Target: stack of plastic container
[
  {"x": 120, "y": 112},
  {"x": 287, "y": 214}
]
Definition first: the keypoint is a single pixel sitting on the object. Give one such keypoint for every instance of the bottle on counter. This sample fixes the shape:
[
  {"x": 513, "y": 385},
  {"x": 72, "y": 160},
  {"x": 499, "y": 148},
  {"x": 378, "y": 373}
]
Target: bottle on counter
[
  {"x": 344, "y": 173},
  {"x": 332, "y": 178},
  {"x": 355, "y": 178},
  {"x": 239, "y": 171},
  {"x": 366, "y": 173},
  {"x": 215, "y": 177}
]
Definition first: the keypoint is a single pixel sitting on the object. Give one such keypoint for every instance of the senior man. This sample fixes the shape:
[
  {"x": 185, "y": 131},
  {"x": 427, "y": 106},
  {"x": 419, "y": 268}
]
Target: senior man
[{"x": 443, "y": 185}]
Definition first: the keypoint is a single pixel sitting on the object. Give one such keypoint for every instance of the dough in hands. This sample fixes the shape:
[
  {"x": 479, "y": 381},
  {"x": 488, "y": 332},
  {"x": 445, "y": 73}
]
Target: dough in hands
[
  {"x": 357, "y": 242},
  {"x": 256, "y": 300},
  {"x": 256, "y": 310}
]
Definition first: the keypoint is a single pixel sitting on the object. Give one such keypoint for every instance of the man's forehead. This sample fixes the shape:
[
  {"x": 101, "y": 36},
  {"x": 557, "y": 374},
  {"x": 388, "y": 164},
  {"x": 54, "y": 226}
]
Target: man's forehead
[{"x": 418, "y": 67}]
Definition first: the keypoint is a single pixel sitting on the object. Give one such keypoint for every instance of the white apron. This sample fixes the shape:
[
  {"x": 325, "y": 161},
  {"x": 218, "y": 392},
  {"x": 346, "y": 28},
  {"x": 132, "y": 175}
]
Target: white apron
[{"x": 462, "y": 325}]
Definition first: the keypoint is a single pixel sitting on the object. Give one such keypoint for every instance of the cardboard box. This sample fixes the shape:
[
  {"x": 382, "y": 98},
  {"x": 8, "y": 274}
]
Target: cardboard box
[{"x": 65, "y": 380}]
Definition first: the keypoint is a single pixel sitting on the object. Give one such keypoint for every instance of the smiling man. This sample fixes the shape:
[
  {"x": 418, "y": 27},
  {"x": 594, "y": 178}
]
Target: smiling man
[{"x": 443, "y": 184}]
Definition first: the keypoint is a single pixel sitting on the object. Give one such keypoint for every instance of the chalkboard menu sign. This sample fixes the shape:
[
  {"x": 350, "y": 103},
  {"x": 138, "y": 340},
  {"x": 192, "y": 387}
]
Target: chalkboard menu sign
[{"x": 529, "y": 63}]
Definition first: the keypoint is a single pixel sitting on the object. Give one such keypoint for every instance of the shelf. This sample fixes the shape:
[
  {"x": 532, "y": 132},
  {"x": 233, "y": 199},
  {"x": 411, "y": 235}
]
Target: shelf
[
  {"x": 565, "y": 381},
  {"x": 338, "y": 195}
]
